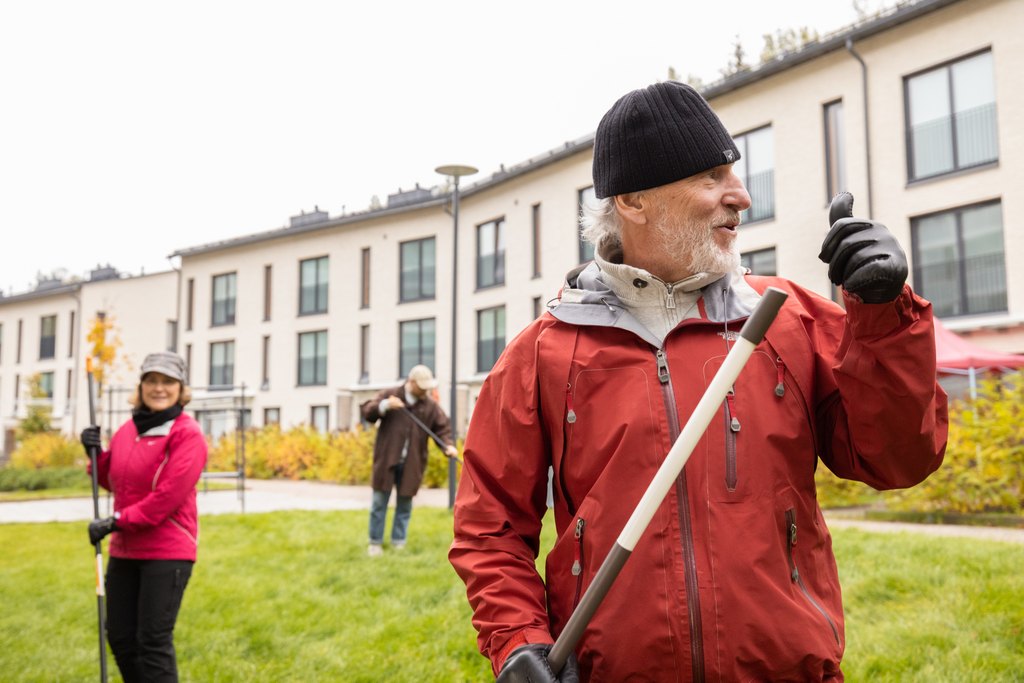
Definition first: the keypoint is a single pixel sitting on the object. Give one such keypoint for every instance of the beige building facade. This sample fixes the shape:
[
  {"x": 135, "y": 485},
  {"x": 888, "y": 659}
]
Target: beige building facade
[{"x": 917, "y": 112}]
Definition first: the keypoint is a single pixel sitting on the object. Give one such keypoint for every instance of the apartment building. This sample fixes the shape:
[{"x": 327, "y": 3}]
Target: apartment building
[
  {"x": 917, "y": 111},
  {"x": 43, "y": 334}
]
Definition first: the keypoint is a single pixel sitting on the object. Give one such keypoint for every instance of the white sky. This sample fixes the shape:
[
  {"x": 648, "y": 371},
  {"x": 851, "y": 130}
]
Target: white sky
[{"x": 129, "y": 130}]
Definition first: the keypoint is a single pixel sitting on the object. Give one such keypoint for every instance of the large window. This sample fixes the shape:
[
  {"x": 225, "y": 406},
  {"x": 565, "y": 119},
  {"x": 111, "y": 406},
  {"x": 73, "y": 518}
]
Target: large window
[
  {"x": 47, "y": 337},
  {"x": 761, "y": 262},
  {"x": 490, "y": 253},
  {"x": 951, "y": 117},
  {"x": 224, "y": 293},
  {"x": 756, "y": 168},
  {"x": 313, "y": 286},
  {"x": 313, "y": 358},
  {"x": 959, "y": 260},
  {"x": 417, "y": 267},
  {"x": 222, "y": 364},
  {"x": 490, "y": 335},
  {"x": 417, "y": 344},
  {"x": 190, "y": 298},
  {"x": 835, "y": 150},
  {"x": 265, "y": 364}
]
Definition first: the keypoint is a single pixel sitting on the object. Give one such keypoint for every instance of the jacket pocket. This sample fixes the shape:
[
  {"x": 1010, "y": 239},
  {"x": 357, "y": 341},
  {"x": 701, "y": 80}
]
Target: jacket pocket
[{"x": 794, "y": 572}]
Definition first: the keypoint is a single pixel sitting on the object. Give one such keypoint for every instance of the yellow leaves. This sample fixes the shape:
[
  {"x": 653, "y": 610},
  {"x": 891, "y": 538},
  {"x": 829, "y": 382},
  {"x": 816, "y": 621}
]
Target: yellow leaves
[{"x": 103, "y": 343}]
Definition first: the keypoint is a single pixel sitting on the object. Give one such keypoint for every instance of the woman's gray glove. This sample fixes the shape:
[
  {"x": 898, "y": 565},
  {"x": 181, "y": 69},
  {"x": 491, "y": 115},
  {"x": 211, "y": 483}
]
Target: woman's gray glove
[
  {"x": 862, "y": 256},
  {"x": 529, "y": 664}
]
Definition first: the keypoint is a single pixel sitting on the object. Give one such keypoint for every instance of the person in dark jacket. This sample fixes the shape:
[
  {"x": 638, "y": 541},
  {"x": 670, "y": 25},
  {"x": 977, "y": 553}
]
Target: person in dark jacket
[
  {"x": 734, "y": 578},
  {"x": 151, "y": 466},
  {"x": 400, "y": 451}
]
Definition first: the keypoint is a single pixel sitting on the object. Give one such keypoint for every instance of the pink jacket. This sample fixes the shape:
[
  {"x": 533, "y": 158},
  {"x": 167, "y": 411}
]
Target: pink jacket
[{"x": 153, "y": 479}]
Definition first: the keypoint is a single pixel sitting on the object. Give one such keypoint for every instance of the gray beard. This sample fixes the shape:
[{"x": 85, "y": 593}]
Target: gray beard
[{"x": 696, "y": 242}]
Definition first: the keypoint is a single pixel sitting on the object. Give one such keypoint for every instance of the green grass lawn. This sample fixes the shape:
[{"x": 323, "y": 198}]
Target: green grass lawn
[{"x": 292, "y": 596}]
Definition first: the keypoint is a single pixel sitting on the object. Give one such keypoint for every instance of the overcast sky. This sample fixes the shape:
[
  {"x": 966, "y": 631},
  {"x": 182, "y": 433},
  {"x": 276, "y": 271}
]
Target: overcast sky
[{"x": 129, "y": 130}]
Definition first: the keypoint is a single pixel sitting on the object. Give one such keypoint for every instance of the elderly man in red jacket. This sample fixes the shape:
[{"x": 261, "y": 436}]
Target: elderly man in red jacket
[{"x": 734, "y": 578}]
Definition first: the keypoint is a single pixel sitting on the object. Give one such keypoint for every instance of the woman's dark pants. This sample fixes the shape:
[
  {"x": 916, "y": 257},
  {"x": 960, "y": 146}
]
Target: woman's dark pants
[{"x": 143, "y": 598}]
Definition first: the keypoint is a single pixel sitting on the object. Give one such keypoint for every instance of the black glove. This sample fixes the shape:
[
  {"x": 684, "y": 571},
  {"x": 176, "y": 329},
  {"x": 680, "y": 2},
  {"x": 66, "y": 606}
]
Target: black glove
[
  {"x": 862, "y": 256},
  {"x": 91, "y": 438},
  {"x": 100, "y": 528},
  {"x": 529, "y": 664}
]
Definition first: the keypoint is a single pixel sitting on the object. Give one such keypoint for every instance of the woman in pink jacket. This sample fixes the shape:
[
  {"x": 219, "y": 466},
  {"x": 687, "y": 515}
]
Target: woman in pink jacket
[{"x": 151, "y": 466}]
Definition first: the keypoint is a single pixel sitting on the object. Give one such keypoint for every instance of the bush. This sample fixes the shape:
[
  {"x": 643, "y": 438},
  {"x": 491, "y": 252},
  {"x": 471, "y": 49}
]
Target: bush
[
  {"x": 12, "y": 479},
  {"x": 983, "y": 470},
  {"x": 47, "y": 449},
  {"x": 304, "y": 453}
]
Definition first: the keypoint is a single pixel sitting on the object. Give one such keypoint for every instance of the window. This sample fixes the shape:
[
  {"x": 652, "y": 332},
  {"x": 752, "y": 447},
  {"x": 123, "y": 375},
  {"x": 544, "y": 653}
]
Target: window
[
  {"x": 538, "y": 307},
  {"x": 224, "y": 292},
  {"x": 318, "y": 416},
  {"x": 1, "y": 342},
  {"x": 364, "y": 354},
  {"x": 222, "y": 364},
  {"x": 71, "y": 335},
  {"x": 756, "y": 168},
  {"x": 268, "y": 284},
  {"x": 490, "y": 253},
  {"x": 835, "y": 150},
  {"x": 67, "y": 393},
  {"x": 761, "y": 262},
  {"x": 47, "y": 337},
  {"x": 271, "y": 416},
  {"x": 265, "y": 374},
  {"x": 535, "y": 224},
  {"x": 172, "y": 335},
  {"x": 417, "y": 269},
  {"x": 417, "y": 345},
  {"x": 313, "y": 286},
  {"x": 490, "y": 335},
  {"x": 188, "y": 361},
  {"x": 364, "y": 288},
  {"x": 586, "y": 249},
  {"x": 959, "y": 260},
  {"x": 46, "y": 385},
  {"x": 189, "y": 302},
  {"x": 313, "y": 358},
  {"x": 17, "y": 357},
  {"x": 951, "y": 117}
]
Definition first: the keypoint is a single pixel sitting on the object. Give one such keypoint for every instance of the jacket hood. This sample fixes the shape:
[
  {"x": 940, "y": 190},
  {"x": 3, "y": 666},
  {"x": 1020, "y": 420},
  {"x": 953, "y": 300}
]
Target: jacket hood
[{"x": 586, "y": 299}]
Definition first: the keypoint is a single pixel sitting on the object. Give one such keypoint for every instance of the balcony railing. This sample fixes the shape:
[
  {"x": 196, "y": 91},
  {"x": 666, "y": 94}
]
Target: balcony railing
[
  {"x": 969, "y": 286},
  {"x": 761, "y": 187},
  {"x": 967, "y": 138}
]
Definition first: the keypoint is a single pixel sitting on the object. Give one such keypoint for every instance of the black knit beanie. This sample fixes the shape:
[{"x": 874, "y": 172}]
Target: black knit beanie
[{"x": 656, "y": 136}]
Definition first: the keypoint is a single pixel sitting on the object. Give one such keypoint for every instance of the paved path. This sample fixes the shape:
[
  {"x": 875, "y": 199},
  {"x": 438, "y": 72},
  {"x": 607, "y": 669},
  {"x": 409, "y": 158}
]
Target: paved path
[
  {"x": 270, "y": 495},
  {"x": 260, "y": 496}
]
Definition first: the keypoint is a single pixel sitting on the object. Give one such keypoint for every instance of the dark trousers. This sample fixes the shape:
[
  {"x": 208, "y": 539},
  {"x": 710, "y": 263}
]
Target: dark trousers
[{"x": 143, "y": 598}]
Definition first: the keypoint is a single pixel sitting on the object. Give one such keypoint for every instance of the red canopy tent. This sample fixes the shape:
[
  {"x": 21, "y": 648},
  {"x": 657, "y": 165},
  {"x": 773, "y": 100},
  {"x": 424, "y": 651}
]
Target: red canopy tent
[{"x": 955, "y": 355}]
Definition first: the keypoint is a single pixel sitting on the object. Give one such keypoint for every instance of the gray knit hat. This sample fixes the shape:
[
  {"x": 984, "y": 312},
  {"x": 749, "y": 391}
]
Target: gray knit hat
[
  {"x": 655, "y": 136},
  {"x": 166, "y": 363}
]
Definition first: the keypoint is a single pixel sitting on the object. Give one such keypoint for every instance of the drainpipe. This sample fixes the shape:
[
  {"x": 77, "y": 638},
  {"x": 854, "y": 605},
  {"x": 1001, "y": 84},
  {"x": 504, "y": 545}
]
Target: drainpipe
[{"x": 867, "y": 120}]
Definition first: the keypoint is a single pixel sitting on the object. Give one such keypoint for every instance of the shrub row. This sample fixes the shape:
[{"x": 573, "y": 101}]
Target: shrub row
[
  {"x": 305, "y": 453},
  {"x": 14, "y": 479}
]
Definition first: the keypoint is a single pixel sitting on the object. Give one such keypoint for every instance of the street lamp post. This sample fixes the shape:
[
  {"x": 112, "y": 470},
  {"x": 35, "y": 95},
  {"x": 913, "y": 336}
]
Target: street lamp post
[{"x": 455, "y": 172}]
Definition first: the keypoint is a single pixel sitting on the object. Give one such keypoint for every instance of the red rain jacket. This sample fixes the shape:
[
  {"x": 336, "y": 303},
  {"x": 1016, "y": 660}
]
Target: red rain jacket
[
  {"x": 734, "y": 579},
  {"x": 153, "y": 479}
]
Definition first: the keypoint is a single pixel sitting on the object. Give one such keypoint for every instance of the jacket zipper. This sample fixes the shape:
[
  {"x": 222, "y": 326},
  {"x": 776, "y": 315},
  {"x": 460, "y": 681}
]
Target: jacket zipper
[
  {"x": 794, "y": 574},
  {"x": 685, "y": 526},
  {"x": 732, "y": 429},
  {"x": 577, "y": 563}
]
